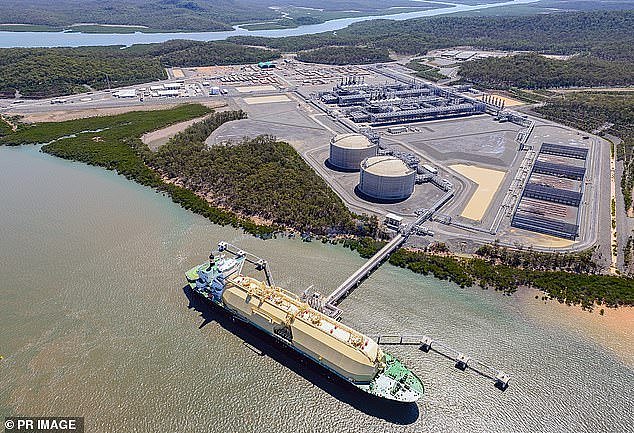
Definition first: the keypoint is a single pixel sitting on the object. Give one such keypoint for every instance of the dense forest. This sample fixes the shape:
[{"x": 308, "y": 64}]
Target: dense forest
[
  {"x": 603, "y": 39},
  {"x": 344, "y": 55},
  {"x": 44, "y": 72},
  {"x": 611, "y": 113},
  {"x": 532, "y": 71},
  {"x": 562, "y": 277},
  {"x": 169, "y": 15},
  {"x": 47, "y": 72},
  {"x": 259, "y": 177},
  {"x": 185, "y": 53}
]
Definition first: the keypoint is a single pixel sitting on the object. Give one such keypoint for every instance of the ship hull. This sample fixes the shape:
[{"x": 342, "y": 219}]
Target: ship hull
[
  {"x": 301, "y": 356},
  {"x": 234, "y": 314}
]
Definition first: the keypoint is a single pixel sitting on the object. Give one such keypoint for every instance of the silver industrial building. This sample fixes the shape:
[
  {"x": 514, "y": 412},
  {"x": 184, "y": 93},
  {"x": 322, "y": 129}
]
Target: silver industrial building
[
  {"x": 348, "y": 150},
  {"x": 386, "y": 178}
]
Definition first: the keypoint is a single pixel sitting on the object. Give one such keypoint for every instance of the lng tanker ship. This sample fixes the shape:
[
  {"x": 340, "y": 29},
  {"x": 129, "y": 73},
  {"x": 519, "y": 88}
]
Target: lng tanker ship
[{"x": 343, "y": 351}]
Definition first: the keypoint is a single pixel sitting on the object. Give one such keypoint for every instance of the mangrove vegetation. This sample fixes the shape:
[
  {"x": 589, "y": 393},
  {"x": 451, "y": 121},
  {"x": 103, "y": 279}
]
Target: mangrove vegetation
[
  {"x": 113, "y": 142},
  {"x": 563, "y": 277}
]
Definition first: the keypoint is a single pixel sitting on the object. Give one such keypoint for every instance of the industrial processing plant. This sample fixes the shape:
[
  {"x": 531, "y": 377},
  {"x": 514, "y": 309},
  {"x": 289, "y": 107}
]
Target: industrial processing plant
[
  {"x": 398, "y": 102},
  {"x": 469, "y": 167}
]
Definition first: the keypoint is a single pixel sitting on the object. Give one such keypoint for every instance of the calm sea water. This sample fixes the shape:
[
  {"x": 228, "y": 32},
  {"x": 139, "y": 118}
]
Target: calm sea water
[
  {"x": 64, "y": 39},
  {"x": 94, "y": 322}
]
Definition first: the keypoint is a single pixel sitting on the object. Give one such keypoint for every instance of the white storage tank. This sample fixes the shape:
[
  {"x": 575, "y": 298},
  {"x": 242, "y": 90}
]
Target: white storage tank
[
  {"x": 348, "y": 150},
  {"x": 386, "y": 178}
]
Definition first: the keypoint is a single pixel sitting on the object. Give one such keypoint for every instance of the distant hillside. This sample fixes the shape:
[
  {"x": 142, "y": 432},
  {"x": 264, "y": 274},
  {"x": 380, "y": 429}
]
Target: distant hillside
[
  {"x": 605, "y": 35},
  {"x": 172, "y": 15},
  {"x": 532, "y": 71},
  {"x": 47, "y": 72},
  {"x": 189, "y": 15}
]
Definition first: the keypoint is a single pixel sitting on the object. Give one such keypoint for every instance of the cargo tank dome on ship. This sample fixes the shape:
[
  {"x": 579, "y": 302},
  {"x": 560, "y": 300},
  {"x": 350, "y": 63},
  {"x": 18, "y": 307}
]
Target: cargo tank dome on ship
[
  {"x": 386, "y": 178},
  {"x": 348, "y": 150}
]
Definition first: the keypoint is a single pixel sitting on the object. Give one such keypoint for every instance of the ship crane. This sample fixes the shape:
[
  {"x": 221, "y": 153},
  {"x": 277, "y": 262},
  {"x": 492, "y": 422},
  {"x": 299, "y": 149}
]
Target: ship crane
[{"x": 259, "y": 263}]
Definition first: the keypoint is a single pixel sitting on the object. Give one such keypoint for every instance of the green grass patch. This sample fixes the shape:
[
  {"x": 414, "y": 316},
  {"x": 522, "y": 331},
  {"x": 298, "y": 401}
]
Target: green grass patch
[
  {"x": 107, "y": 29},
  {"x": 425, "y": 72},
  {"x": 29, "y": 28}
]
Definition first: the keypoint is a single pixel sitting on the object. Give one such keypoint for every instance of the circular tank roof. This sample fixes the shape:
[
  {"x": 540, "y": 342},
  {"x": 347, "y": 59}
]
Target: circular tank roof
[
  {"x": 385, "y": 165},
  {"x": 352, "y": 141}
]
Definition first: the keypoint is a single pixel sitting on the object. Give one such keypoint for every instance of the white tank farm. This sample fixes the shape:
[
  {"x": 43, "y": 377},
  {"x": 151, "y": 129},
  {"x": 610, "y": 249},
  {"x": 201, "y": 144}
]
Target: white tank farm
[
  {"x": 386, "y": 178},
  {"x": 348, "y": 150}
]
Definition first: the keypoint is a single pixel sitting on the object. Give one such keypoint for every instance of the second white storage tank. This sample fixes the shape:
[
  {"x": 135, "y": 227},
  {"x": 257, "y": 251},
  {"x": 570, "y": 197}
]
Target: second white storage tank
[{"x": 386, "y": 178}]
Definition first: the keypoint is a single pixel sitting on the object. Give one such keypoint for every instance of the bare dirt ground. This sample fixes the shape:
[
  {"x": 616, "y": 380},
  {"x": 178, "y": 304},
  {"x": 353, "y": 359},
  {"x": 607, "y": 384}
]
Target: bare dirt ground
[
  {"x": 156, "y": 139},
  {"x": 266, "y": 99},
  {"x": 488, "y": 183},
  {"x": 508, "y": 102}
]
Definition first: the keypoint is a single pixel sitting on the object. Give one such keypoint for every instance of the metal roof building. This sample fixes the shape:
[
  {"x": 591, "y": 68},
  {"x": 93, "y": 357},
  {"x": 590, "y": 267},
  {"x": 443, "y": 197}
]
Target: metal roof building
[
  {"x": 561, "y": 150},
  {"x": 545, "y": 225},
  {"x": 554, "y": 195},
  {"x": 560, "y": 170},
  {"x": 125, "y": 93}
]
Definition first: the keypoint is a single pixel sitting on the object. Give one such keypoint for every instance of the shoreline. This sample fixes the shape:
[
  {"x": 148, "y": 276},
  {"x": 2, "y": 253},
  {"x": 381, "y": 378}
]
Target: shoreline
[
  {"x": 465, "y": 272},
  {"x": 613, "y": 331}
]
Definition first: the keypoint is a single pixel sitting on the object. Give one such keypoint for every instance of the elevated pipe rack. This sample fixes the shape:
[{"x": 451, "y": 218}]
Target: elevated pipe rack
[{"x": 353, "y": 280}]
